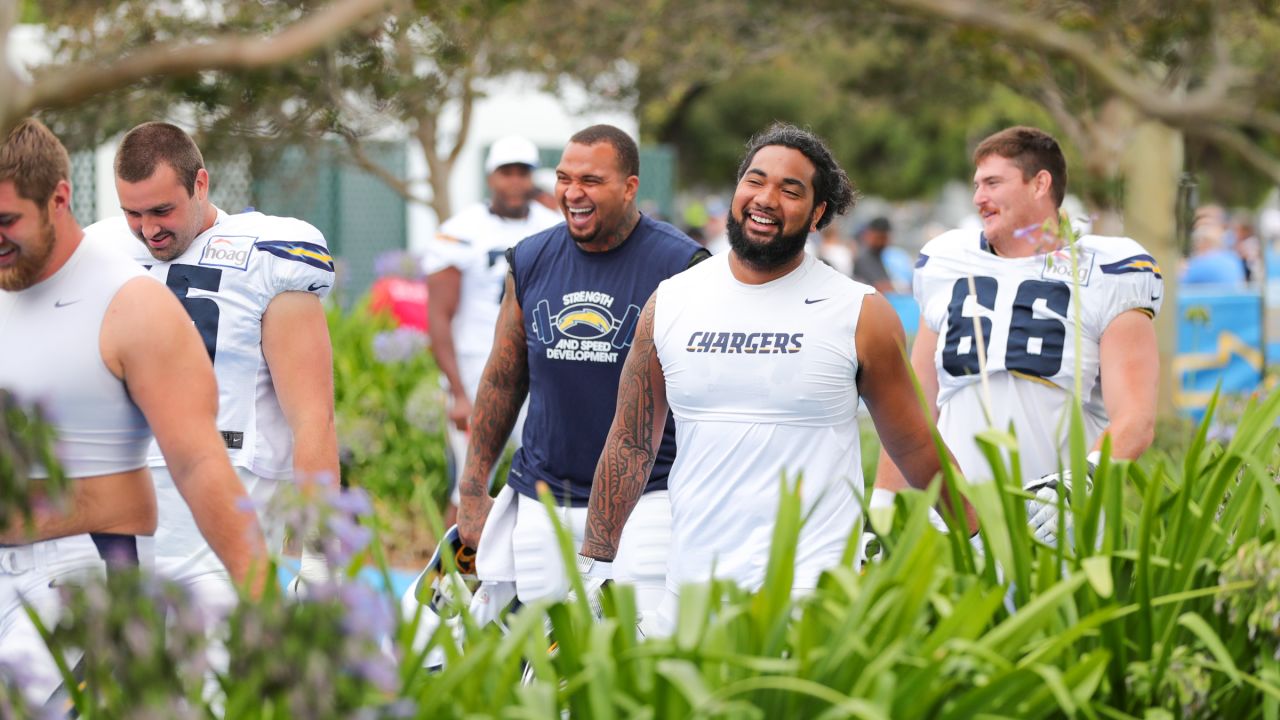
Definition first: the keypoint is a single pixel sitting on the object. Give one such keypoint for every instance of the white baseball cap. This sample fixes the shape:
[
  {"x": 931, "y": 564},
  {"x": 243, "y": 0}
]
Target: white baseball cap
[{"x": 511, "y": 150}]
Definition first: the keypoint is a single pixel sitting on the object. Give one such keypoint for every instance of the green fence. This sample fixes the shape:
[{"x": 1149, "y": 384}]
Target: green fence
[{"x": 360, "y": 216}]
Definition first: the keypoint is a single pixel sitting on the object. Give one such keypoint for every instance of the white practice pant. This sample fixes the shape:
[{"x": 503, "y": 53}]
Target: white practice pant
[
  {"x": 33, "y": 575},
  {"x": 641, "y": 560},
  {"x": 183, "y": 556},
  {"x": 540, "y": 573}
]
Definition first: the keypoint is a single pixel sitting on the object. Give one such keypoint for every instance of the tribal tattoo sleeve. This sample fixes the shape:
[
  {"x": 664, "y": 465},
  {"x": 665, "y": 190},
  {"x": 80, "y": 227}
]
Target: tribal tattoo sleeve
[{"x": 632, "y": 445}]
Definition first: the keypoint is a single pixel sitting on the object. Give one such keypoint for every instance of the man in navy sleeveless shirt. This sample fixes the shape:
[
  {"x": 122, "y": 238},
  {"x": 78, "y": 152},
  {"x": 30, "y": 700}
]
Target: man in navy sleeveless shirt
[{"x": 573, "y": 296}]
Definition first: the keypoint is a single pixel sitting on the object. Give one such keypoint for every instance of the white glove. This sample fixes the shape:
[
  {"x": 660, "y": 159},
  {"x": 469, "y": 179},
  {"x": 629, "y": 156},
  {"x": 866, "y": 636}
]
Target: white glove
[
  {"x": 313, "y": 571},
  {"x": 595, "y": 575},
  {"x": 880, "y": 499},
  {"x": 1042, "y": 510}
]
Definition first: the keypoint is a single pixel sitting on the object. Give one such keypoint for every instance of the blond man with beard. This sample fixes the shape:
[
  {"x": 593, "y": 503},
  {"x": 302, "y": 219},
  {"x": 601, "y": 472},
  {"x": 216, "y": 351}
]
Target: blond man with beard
[{"x": 111, "y": 356}]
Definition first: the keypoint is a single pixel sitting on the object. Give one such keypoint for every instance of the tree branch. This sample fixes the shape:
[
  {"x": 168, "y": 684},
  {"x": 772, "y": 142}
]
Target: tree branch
[
  {"x": 357, "y": 154},
  {"x": 1051, "y": 95},
  {"x": 64, "y": 86},
  {"x": 1211, "y": 103},
  {"x": 1251, "y": 152},
  {"x": 467, "y": 103}
]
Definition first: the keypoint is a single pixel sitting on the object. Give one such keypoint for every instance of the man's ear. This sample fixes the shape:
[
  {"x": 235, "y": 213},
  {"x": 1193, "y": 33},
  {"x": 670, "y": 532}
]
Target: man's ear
[
  {"x": 817, "y": 216},
  {"x": 1043, "y": 183},
  {"x": 60, "y": 200},
  {"x": 201, "y": 189}
]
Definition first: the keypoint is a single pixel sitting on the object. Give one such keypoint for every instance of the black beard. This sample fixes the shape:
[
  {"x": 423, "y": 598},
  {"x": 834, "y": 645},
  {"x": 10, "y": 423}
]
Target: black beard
[{"x": 764, "y": 256}]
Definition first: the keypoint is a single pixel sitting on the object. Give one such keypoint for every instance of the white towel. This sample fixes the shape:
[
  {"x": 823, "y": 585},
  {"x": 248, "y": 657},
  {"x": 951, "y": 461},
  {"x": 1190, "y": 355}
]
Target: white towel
[{"x": 495, "y": 558}]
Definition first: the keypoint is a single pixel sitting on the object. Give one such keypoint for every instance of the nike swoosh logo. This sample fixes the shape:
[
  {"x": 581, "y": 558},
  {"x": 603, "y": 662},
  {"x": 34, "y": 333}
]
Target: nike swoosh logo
[
  {"x": 807, "y": 301},
  {"x": 64, "y": 303},
  {"x": 315, "y": 286}
]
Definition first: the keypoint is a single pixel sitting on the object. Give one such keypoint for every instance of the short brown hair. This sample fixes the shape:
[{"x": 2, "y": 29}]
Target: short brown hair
[
  {"x": 146, "y": 146},
  {"x": 1032, "y": 150},
  {"x": 34, "y": 160}
]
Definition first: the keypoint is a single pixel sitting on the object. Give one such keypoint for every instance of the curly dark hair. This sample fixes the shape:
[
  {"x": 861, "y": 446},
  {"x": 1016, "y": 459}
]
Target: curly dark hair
[{"x": 830, "y": 183}]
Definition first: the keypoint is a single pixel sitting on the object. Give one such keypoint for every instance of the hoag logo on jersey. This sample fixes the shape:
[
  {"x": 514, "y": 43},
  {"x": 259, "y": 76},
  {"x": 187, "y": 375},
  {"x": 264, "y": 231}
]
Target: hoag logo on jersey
[
  {"x": 230, "y": 251},
  {"x": 1057, "y": 266}
]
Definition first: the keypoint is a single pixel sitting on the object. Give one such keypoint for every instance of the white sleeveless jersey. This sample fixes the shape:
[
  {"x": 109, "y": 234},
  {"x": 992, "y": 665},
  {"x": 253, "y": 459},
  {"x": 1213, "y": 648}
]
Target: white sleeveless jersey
[
  {"x": 50, "y": 353},
  {"x": 1026, "y": 308},
  {"x": 226, "y": 280},
  {"x": 761, "y": 380},
  {"x": 475, "y": 242}
]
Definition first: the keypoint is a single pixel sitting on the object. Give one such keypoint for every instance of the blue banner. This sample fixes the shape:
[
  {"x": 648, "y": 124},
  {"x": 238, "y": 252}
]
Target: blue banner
[{"x": 1219, "y": 340}]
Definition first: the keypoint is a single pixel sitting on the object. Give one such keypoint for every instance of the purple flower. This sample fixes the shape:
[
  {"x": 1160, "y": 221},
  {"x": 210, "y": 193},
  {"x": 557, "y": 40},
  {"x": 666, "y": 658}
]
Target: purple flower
[
  {"x": 347, "y": 538},
  {"x": 354, "y": 501},
  {"x": 398, "y": 263},
  {"x": 369, "y": 614},
  {"x": 399, "y": 345}
]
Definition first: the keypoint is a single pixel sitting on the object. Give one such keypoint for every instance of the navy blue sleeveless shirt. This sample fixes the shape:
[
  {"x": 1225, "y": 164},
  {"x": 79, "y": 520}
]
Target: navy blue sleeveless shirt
[{"x": 580, "y": 314}]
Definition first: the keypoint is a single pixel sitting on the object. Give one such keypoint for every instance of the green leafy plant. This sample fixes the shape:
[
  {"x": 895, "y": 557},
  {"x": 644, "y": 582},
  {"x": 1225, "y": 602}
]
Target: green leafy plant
[
  {"x": 389, "y": 406},
  {"x": 27, "y": 443}
]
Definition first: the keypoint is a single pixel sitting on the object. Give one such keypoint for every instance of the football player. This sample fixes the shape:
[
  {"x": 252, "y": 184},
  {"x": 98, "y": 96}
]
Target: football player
[
  {"x": 999, "y": 311},
  {"x": 761, "y": 354},
  {"x": 112, "y": 358},
  {"x": 252, "y": 285}
]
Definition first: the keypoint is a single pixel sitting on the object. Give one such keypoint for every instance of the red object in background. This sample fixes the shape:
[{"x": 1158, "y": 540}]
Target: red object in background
[{"x": 406, "y": 300}]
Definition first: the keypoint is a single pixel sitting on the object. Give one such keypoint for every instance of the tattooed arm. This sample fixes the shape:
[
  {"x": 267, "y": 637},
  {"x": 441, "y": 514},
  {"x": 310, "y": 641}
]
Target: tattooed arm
[
  {"x": 503, "y": 388},
  {"x": 634, "y": 437}
]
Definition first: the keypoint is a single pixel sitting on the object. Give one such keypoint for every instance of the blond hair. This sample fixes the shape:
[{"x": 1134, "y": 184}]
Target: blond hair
[{"x": 34, "y": 160}]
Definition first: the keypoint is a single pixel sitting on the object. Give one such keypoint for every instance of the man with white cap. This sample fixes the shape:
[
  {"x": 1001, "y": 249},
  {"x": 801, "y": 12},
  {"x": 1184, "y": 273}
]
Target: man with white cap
[{"x": 466, "y": 267}]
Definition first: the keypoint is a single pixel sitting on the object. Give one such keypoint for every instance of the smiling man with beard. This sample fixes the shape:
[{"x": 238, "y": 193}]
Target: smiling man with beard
[
  {"x": 572, "y": 301},
  {"x": 112, "y": 358},
  {"x": 774, "y": 393}
]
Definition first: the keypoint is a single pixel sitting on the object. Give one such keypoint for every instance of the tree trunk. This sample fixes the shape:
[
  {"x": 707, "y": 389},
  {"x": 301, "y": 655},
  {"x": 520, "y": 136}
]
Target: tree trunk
[
  {"x": 438, "y": 168},
  {"x": 1152, "y": 165}
]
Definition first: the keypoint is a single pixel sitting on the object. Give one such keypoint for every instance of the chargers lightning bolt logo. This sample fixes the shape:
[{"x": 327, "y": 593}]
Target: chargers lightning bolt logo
[{"x": 585, "y": 321}]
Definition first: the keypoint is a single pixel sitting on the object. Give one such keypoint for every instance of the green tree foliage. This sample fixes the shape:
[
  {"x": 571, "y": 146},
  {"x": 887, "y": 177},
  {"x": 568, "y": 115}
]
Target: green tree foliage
[
  {"x": 111, "y": 57},
  {"x": 1203, "y": 68},
  {"x": 410, "y": 69},
  {"x": 899, "y": 127}
]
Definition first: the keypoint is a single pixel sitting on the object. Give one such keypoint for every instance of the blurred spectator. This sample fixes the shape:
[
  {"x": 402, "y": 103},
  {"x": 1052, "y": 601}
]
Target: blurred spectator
[
  {"x": 886, "y": 268},
  {"x": 836, "y": 250},
  {"x": 899, "y": 264},
  {"x": 1248, "y": 247},
  {"x": 1211, "y": 263},
  {"x": 869, "y": 265},
  {"x": 717, "y": 237}
]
